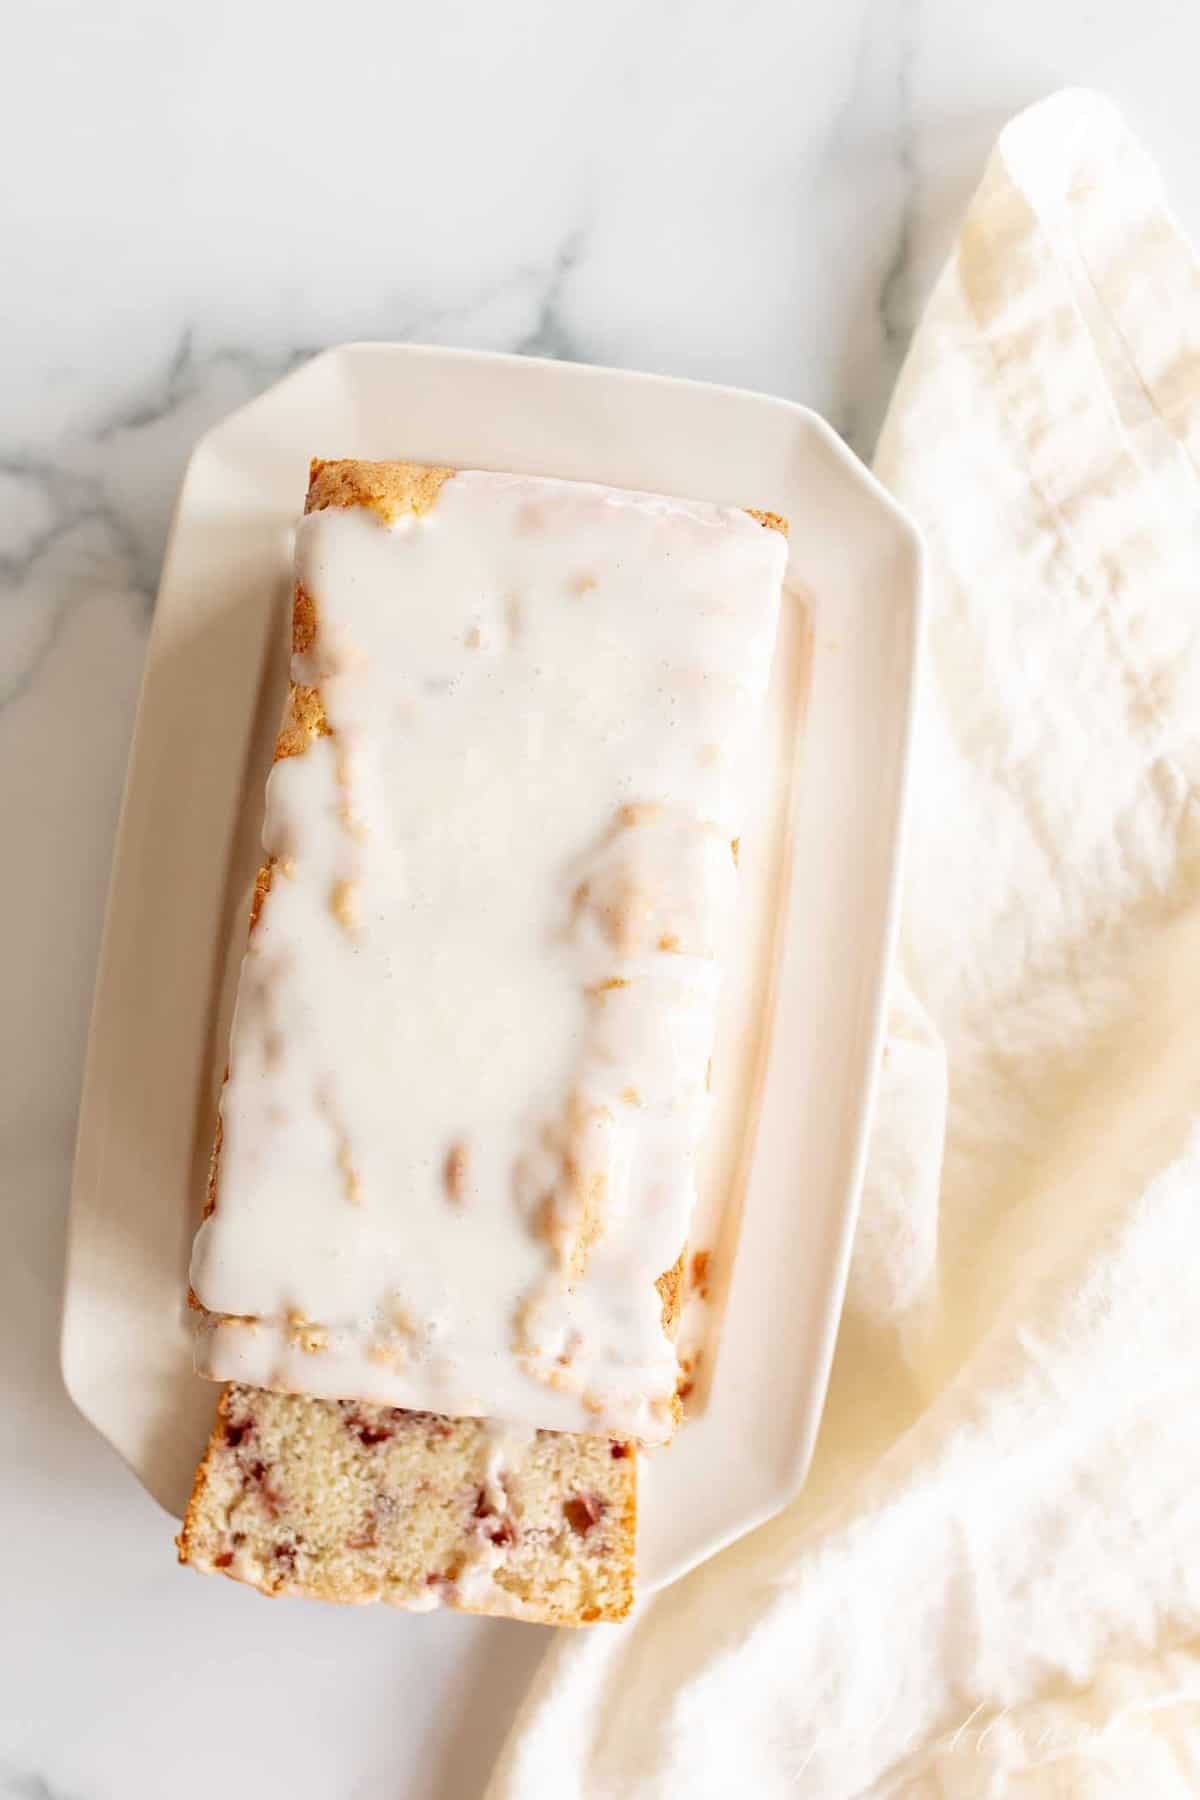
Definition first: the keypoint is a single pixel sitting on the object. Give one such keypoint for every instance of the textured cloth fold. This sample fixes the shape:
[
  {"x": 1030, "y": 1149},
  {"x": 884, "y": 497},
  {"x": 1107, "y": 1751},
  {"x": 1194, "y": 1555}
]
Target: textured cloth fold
[{"x": 991, "y": 1582}]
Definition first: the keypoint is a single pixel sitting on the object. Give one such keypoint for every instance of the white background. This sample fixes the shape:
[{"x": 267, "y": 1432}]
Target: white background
[{"x": 193, "y": 198}]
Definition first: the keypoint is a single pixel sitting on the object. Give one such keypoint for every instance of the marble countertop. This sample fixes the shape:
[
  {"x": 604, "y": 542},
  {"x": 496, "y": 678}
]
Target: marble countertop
[{"x": 195, "y": 200}]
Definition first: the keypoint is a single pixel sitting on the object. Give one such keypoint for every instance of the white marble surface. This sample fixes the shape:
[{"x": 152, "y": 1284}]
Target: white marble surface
[{"x": 193, "y": 199}]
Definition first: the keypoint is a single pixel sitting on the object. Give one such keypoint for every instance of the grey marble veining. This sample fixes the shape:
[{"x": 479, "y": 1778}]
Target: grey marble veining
[
  {"x": 29, "y": 1786},
  {"x": 550, "y": 334},
  {"x": 759, "y": 195},
  {"x": 876, "y": 132},
  {"x": 94, "y": 512}
]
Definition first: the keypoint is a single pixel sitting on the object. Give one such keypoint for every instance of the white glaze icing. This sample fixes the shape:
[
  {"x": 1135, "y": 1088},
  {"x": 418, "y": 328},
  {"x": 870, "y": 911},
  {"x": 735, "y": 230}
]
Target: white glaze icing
[
  {"x": 469, "y": 1055},
  {"x": 505, "y": 1445}
]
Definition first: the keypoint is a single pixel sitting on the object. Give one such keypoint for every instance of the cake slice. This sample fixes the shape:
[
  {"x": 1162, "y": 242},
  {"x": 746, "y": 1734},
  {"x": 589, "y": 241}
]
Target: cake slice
[{"x": 338, "y": 1500}]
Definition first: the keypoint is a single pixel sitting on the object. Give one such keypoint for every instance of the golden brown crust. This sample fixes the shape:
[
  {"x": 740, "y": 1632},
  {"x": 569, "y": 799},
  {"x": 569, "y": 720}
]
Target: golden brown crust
[
  {"x": 303, "y": 720},
  {"x": 394, "y": 488},
  {"x": 262, "y": 887},
  {"x": 304, "y": 621},
  {"x": 670, "y": 1292},
  {"x": 389, "y": 488},
  {"x": 210, "y": 1197},
  {"x": 184, "y": 1543}
]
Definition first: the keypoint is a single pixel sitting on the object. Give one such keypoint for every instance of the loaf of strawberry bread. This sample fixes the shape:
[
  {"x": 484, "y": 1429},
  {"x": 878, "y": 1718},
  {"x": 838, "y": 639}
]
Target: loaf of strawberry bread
[{"x": 470, "y": 1064}]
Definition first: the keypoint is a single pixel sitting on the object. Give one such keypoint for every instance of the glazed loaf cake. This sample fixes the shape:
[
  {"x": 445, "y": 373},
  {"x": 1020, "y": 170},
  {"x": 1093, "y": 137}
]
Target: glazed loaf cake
[{"x": 422, "y": 1214}]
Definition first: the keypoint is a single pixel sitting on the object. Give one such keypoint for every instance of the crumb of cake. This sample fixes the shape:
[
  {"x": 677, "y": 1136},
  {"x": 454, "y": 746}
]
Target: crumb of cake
[
  {"x": 262, "y": 887},
  {"x": 305, "y": 720},
  {"x": 304, "y": 622},
  {"x": 454, "y": 1173},
  {"x": 583, "y": 583},
  {"x": 547, "y": 1223},
  {"x": 237, "y": 1321},
  {"x": 348, "y": 1172},
  {"x": 670, "y": 943},
  {"x": 625, "y": 913},
  {"x": 348, "y": 818},
  {"x": 304, "y": 1335},
  {"x": 641, "y": 812},
  {"x": 343, "y": 903},
  {"x": 670, "y": 1292},
  {"x": 735, "y": 846}
]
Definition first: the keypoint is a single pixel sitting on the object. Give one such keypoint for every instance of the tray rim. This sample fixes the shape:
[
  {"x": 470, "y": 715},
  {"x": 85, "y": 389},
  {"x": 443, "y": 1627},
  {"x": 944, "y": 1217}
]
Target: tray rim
[{"x": 917, "y": 604}]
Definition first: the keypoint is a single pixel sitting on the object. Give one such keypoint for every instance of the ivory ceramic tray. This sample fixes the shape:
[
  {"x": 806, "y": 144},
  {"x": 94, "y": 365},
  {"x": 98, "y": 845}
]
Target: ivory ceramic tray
[{"x": 802, "y": 1016}]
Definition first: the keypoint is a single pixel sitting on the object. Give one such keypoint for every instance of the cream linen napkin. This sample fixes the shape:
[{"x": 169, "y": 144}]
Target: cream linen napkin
[{"x": 991, "y": 1584}]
